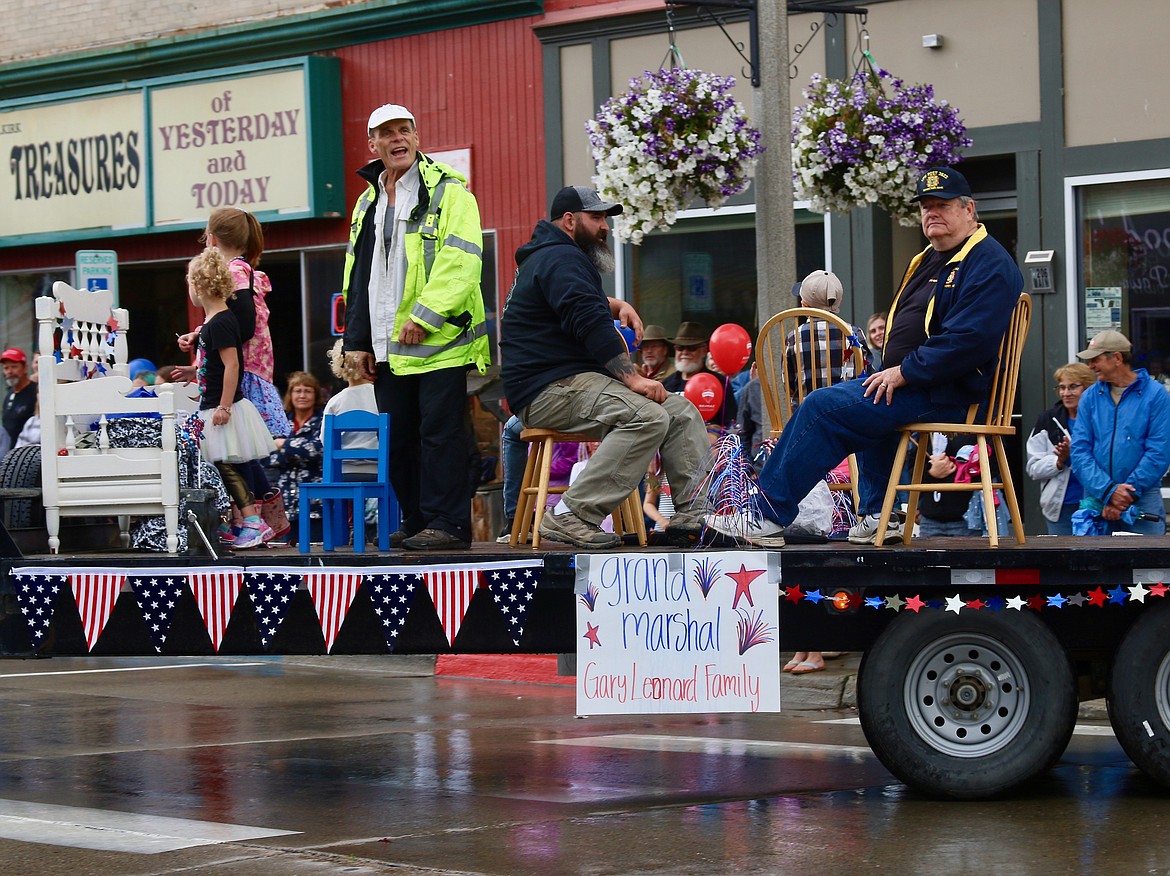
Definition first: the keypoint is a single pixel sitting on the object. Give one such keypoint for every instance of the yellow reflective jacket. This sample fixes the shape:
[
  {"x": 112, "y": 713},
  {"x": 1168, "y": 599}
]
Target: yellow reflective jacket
[{"x": 444, "y": 260}]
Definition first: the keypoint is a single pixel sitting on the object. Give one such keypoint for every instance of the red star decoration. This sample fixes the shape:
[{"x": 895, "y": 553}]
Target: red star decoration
[
  {"x": 976, "y": 604},
  {"x": 112, "y": 324},
  {"x": 591, "y": 635},
  {"x": 1037, "y": 602},
  {"x": 794, "y": 594},
  {"x": 1158, "y": 590},
  {"x": 1098, "y": 597},
  {"x": 915, "y": 603},
  {"x": 743, "y": 583},
  {"x": 855, "y": 599}
]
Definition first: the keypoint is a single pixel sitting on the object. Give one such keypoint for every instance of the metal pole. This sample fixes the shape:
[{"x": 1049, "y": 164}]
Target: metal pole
[{"x": 775, "y": 226}]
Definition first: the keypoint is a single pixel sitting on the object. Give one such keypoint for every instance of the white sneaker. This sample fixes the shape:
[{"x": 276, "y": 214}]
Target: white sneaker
[
  {"x": 866, "y": 530},
  {"x": 742, "y": 526}
]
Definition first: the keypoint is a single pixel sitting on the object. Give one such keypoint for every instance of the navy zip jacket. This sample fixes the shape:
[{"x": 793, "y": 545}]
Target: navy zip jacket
[
  {"x": 966, "y": 318},
  {"x": 556, "y": 320}
]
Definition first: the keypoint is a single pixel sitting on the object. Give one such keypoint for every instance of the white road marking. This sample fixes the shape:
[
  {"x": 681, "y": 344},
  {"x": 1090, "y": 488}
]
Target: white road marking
[
  {"x": 107, "y": 831},
  {"x": 49, "y": 674},
  {"x": 712, "y": 745},
  {"x": 1078, "y": 730}
]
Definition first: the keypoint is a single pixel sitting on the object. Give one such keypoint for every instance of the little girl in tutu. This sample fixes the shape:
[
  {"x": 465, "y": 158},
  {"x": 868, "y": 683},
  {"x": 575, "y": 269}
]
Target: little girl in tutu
[{"x": 234, "y": 434}]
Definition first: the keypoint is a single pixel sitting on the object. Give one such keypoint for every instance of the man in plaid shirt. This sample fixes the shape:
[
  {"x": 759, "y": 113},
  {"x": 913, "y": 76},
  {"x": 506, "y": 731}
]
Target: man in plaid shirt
[{"x": 823, "y": 350}]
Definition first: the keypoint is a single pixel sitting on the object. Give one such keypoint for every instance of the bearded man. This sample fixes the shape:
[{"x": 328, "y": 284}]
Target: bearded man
[{"x": 565, "y": 367}]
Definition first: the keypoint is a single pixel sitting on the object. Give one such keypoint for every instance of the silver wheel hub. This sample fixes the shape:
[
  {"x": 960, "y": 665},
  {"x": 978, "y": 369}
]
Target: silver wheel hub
[{"x": 966, "y": 695}]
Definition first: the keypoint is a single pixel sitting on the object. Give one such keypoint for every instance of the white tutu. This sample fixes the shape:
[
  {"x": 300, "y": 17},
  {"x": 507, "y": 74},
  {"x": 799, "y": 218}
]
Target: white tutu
[{"x": 242, "y": 438}]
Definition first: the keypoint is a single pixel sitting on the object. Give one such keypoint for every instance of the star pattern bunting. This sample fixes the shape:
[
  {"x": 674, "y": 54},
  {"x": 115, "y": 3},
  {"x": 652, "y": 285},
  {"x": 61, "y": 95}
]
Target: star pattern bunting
[
  {"x": 157, "y": 597},
  {"x": 392, "y": 596},
  {"x": 271, "y": 594},
  {"x": 513, "y": 589},
  {"x": 1096, "y": 598},
  {"x": 37, "y": 595}
]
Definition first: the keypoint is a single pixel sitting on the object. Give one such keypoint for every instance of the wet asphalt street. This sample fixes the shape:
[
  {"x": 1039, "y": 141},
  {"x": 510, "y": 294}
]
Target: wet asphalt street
[{"x": 363, "y": 765}]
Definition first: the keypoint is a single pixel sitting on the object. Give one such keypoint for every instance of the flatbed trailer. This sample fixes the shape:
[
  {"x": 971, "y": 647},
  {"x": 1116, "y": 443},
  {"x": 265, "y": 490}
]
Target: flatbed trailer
[{"x": 974, "y": 658}]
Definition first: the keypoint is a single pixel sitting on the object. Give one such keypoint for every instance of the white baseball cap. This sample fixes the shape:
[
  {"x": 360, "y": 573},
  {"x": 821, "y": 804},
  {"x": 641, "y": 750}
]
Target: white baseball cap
[{"x": 388, "y": 112}]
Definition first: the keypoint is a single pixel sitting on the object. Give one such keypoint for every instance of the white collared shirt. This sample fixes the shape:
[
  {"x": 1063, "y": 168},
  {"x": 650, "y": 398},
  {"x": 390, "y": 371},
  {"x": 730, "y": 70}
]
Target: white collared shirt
[{"x": 388, "y": 271}]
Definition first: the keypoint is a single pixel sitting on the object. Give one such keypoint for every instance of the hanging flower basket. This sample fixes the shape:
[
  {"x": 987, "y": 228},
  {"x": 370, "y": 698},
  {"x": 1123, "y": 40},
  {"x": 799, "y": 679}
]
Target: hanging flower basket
[
  {"x": 865, "y": 140},
  {"x": 674, "y": 136}
]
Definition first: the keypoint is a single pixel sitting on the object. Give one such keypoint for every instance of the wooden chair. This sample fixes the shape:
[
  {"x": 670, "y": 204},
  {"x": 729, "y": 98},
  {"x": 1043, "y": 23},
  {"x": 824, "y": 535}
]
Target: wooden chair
[
  {"x": 995, "y": 423},
  {"x": 786, "y": 378},
  {"x": 334, "y": 491},
  {"x": 84, "y": 381},
  {"x": 535, "y": 490}
]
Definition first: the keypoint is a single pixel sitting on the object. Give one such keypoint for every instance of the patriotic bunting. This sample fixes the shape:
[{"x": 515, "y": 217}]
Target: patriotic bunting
[
  {"x": 216, "y": 594},
  {"x": 95, "y": 595},
  {"x": 37, "y": 595},
  {"x": 391, "y": 589},
  {"x": 332, "y": 593},
  {"x": 271, "y": 594},
  {"x": 451, "y": 591},
  {"x": 157, "y": 597},
  {"x": 512, "y": 589},
  {"x": 957, "y": 603},
  {"x": 392, "y": 596}
]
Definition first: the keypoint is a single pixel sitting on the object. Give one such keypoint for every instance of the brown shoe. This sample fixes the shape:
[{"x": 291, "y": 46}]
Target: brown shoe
[{"x": 435, "y": 540}]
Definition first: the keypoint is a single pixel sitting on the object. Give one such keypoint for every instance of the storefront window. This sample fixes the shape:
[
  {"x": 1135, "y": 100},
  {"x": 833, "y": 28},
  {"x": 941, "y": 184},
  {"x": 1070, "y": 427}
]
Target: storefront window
[
  {"x": 1125, "y": 267},
  {"x": 17, "y": 292},
  {"x": 704, "y": 269}
]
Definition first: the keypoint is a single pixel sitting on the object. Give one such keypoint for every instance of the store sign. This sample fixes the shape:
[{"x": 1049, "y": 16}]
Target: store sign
[
  {"x": 230, "y": 143},
  {"x": 73, "y": 165},
  {"x": 264, "y": 138}
]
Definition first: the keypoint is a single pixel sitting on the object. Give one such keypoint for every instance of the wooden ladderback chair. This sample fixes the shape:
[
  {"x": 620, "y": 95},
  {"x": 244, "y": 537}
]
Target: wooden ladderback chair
[
  {"x": 991, "y": 419},
  {"x": 790, "y": 368},
  {"x": 335, "y": 491},
  {"x": 83, "y": 383},
  {"x": 535, "y": 490}
]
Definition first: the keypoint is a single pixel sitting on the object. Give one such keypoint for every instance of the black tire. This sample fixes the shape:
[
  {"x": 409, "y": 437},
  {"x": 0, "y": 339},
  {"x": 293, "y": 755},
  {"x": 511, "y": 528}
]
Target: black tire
[
  {"x": 967, "y": 706},
  {"x": 1138, "y": 695},
  {"x": 21, "y": 467}
]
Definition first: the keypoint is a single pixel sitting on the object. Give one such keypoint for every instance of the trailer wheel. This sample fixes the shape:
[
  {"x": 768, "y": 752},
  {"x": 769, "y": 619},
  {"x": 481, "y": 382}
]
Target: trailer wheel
[
  {"x": 21, "y": 467},
  {"x": 967, "y": 706},
  {"x": 1139, "y": 693}
]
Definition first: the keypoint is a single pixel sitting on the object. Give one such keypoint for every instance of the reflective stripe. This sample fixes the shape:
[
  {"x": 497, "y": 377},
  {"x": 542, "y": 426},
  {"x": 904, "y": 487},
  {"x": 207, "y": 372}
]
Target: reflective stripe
[
  {"x": 427, "y": 315},
  {"x": 466, "y": 245},
  {"x": 423, "y": 351},
  {"x": 360, "y": 212}
]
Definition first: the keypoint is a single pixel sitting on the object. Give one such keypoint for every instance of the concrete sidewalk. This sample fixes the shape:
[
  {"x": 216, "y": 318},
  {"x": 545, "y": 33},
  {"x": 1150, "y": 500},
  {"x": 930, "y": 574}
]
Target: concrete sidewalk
[{"x": 835, "y": 687}]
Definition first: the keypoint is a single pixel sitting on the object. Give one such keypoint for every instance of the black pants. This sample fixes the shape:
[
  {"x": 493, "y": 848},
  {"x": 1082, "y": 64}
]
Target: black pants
[{"x": 428, "y": 437}]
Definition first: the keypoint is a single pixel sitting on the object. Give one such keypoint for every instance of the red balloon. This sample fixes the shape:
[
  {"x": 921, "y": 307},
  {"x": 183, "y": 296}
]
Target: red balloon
[
  {"x": 731, "y": 347},
  {"x": 706, "y": 393}
]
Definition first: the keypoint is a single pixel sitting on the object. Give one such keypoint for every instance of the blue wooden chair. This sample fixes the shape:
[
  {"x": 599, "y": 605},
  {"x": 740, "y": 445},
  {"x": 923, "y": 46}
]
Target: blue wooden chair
[{"x": 334, "y": 491}]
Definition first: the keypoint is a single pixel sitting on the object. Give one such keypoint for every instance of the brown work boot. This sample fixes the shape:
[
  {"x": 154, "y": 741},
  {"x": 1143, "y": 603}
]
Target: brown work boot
[{"x": 571, "y": 529}]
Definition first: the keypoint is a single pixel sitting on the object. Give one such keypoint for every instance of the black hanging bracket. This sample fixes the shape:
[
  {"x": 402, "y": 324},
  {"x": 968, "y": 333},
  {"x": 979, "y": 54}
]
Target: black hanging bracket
[{"x": 704, "y": 8}]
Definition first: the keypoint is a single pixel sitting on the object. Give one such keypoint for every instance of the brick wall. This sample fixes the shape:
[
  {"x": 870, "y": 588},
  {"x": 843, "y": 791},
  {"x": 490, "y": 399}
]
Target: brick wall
[{"x": 40, "y": 29}]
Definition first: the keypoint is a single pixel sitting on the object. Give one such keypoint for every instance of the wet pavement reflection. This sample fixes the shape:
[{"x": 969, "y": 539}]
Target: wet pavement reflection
[{"x": 372, "y": 765}]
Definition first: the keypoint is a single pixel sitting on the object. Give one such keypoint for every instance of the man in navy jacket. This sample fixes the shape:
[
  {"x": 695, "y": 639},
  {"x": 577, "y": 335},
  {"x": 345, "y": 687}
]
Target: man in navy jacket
[
  {"x": 942, "y": 337},
  {"x": 566, "y": 367}
]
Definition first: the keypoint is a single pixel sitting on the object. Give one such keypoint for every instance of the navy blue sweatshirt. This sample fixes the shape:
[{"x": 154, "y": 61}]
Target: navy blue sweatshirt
[{"x": 556, "y": 319}]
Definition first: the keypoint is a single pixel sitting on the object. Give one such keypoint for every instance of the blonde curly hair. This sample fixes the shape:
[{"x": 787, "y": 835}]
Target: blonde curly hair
[
  {"x": 209, "y": 276},
  {"x": 341, "y": 366}
]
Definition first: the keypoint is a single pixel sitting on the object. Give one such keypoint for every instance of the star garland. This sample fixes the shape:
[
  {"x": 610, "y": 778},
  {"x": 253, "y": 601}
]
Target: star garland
[{"x": 1096, "y": 598}]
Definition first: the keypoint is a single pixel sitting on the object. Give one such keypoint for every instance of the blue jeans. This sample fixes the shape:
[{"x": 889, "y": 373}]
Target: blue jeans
[
  {"x": 1063, "y": 524},
  {"x": 833, "y": 422},
  {"x": 928, "y": 528},
  {"x": 515, "y": 454}
]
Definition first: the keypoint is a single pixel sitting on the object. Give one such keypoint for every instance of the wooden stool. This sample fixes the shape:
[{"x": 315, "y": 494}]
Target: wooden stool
[{"x": 535, "y": 490}]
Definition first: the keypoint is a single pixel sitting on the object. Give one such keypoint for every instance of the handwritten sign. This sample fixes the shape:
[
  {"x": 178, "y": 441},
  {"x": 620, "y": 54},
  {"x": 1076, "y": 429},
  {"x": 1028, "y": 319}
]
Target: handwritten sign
[{"x": 678, "y": 632}]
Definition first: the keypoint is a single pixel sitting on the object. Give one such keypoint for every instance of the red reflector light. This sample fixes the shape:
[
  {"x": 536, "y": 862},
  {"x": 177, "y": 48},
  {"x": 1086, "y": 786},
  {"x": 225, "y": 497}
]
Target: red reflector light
[{"x": 1017, "y": 576}]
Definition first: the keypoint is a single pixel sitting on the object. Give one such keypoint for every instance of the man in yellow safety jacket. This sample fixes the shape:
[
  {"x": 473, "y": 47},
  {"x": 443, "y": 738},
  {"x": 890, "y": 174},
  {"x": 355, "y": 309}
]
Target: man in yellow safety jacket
[{"x": 415, "y": 323}]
